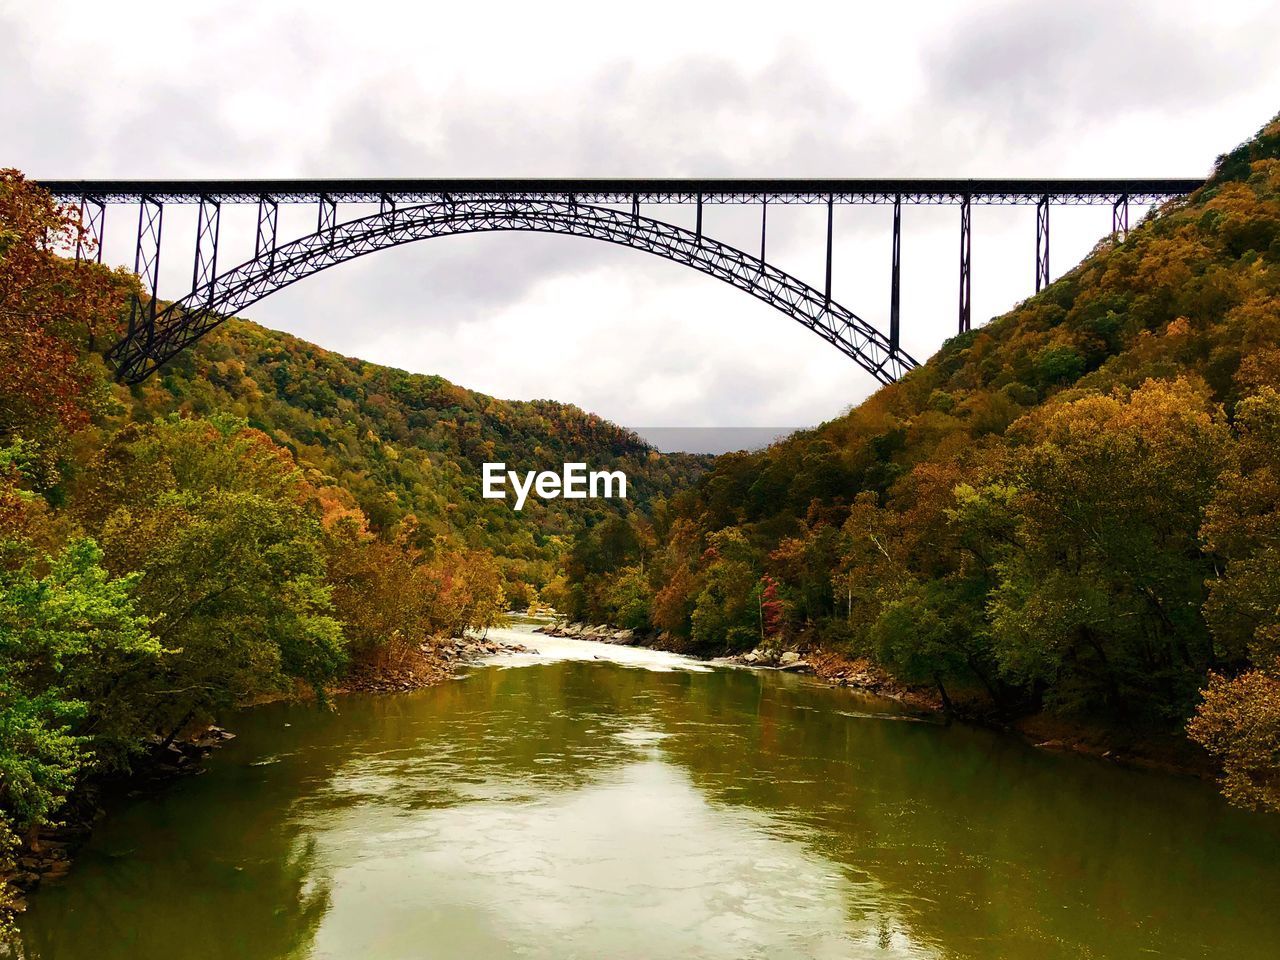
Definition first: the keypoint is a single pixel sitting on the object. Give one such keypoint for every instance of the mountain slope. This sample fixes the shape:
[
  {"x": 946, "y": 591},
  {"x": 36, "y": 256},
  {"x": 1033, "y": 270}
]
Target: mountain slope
[
  {"x": 1065, "y": 511},
  {"x": 405, "y": 443}
]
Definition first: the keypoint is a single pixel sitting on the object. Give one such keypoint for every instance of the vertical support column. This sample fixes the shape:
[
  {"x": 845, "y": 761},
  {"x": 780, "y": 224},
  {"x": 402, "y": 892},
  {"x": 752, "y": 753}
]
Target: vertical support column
[
  {"x": 208, "y": 224},
  {"x": 699, "y": 228},
  {"x": 1120, "y": 218},
  {"x": 830, "y": 229},
  {"x": 1042, "y": 243},
  {"x": 764, "y": 220},
  {"x": 93, "y": 217},
  {"x": 386, "y": 204},
  {"x": 268, "y": 220},
  {"x": 635, "y": 208},
  {"x": 965, "y": 251},
  {"x": 146, "y": 263},
  {"x": 895, "y": 290},
  {"x": 327, "y": 218}
]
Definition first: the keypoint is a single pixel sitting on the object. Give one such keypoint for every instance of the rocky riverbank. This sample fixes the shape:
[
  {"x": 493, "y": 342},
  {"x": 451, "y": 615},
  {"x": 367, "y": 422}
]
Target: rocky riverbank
[
  {"x": 601, "y": 633},
  {"x": 424, "y": 665}
]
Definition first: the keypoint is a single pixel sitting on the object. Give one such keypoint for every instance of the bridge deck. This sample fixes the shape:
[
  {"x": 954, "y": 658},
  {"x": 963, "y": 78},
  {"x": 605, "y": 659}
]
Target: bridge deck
[{"x": 681, "y": 191}]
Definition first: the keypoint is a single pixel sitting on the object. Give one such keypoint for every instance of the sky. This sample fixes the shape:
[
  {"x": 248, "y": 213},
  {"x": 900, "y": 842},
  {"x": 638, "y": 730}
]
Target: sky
[{"x": 374, "y": 89}]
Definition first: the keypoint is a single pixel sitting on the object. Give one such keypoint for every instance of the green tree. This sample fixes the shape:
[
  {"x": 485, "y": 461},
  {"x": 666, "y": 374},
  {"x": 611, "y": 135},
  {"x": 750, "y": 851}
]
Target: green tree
[
  {"x": 1098, "y": 602},
  {"x": 725, "y": 613},
  {"x": 217, "y": 520},
  {"x": 65, "y": 637},
  {"x": 630, "y": 598}
]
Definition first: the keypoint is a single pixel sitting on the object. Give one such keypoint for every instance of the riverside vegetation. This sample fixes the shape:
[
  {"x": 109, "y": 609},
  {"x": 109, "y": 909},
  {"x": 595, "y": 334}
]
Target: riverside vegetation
[
  {"x": 1072, "y": 512},
  {"x": 263, "y": 518}
]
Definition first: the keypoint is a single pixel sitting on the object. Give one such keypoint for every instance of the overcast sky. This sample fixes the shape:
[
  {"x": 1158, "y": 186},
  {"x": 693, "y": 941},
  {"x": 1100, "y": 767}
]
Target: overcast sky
[{"x": 650, "y": 90}]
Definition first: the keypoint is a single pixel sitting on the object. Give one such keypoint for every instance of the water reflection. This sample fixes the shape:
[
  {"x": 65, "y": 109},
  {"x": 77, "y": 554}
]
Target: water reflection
[
  {"x": 588, "y": 809},
  {"x": 637, "y": 864}
]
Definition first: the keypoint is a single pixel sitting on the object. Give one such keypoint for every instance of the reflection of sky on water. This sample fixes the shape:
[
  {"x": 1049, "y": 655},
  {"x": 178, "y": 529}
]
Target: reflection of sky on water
[
  {"x": 638, "y": 864},
  {"x": 668, "y": 809}
]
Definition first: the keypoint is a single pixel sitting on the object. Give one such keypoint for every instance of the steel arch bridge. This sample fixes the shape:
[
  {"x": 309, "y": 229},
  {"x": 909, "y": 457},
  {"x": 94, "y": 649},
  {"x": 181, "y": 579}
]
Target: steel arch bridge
[
  {"x": 154, "y": 342},
  {"x": 411, "y": 210}
]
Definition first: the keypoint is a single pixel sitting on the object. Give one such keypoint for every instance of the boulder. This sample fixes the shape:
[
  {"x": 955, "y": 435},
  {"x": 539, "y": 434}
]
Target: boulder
[{"x": 789, "y": 658}]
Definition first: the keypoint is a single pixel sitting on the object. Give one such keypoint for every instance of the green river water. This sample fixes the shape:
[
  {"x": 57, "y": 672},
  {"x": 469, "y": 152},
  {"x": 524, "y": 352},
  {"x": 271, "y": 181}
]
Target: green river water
[{"x": 600, "y": 802}]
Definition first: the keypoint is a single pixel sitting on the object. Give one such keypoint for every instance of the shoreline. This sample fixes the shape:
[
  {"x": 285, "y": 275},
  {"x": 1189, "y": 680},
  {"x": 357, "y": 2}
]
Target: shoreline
[
  {"x": 1170, "y": 755},
  {"x": 48, "y": 853}
]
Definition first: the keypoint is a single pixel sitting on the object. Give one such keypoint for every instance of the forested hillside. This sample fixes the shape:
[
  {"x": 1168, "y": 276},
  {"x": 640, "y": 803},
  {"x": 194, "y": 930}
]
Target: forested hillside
[
  {"x": 1074, "y": 509},
  {"x": 262, "y": 518},
  {"x": 405, "y": 443}
]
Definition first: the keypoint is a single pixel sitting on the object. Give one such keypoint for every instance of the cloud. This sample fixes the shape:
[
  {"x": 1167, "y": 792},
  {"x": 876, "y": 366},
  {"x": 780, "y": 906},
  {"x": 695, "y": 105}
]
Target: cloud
[{"x": 1035, "y": 71}]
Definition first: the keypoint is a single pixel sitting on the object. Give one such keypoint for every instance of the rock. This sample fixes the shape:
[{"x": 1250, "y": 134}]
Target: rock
[
  {"x": 797, "y": 666},
  {"x": 789, "y": 658},
  {"x": 751, "y": 659},
  {"x": 56, "y": 870}
]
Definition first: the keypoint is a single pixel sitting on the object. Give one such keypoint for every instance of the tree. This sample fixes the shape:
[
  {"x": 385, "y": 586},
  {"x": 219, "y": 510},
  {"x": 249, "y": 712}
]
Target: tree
[
  {"x": 50, "y": 309},
  {"x": 1098, "y": 601},
  {"x": 724, "y": 613},
  {"x": 463, "y": 588},
  {"x": 630, "y": 598},
  {"x": 217, "y": 520},
  {"x": 65, "y": 639},
  {"x": 770, "y": 607},
  {"x": 1238, "y": 721},
  {"x": 1242, "y": 528}
]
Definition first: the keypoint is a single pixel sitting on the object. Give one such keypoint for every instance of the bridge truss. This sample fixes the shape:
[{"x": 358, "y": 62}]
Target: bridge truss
[{"x": 410, "y": 210}]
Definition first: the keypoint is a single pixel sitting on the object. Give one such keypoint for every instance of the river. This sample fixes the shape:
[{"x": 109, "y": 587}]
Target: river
[{"x": 590, "y": 801}]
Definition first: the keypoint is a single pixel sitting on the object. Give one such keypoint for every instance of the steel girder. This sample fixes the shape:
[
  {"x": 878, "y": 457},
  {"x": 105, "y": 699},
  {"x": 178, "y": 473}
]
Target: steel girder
[
  {"x": 1042, "y": 244},
  {"x": 93, "y": 219},
  {"x": 183, "y": 322},
  {"x": 597, "y": 191}
]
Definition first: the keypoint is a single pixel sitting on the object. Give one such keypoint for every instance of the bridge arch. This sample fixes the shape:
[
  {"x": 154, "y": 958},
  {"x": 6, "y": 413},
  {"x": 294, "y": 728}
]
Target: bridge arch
[{"x": 162, "y": 334}]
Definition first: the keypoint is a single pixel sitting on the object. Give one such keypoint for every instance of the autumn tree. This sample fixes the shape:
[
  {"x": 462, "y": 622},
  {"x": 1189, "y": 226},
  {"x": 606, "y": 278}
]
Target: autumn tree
[
  {"x": 1098, "y": 601},
  {"x": 725, "y": 615},
  {"x": 1239, "y": 718},
  {"x": 216, "y": 519},
  {"x": 771, "y": 607},
  {"x": 51, "y": 310}
]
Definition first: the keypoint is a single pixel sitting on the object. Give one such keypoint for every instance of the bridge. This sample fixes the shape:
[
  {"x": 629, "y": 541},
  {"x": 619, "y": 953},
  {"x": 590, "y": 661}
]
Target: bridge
[{"x": 611, "y": 210}]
